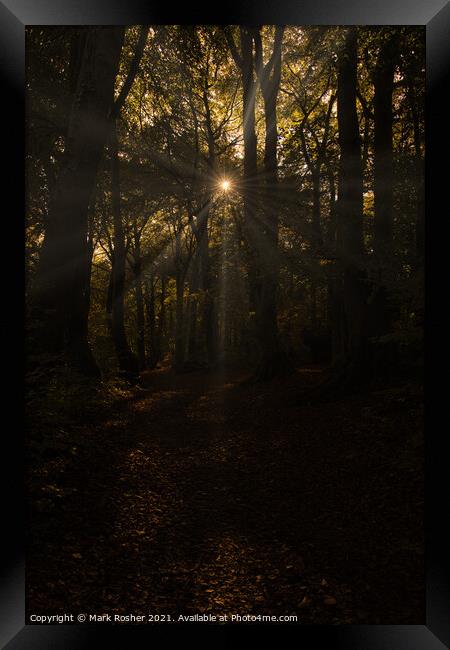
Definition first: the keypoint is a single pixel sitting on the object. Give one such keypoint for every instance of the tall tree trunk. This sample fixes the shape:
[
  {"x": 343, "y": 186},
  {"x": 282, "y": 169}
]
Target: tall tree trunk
[
  {"x": 313, "y": 303},
  {"x": 420, "y": 220},
  {"x": 418, "y": 255},
  {"x": 191, "y": 343},
  {"x": 188, "y": 320},
  {"x": 127, "y": 361},
  {"x": 202, "y": 274},
  {"x": 334, "y": 281},
  {"x": 245, "y": 61},
  {"x": 267, "y": 316},
  {"x": 140, "y": 315},
  {"x": 350, "y": 213},
  {"x": 109, "y": 298},
  {"x": 179, "y": 326},
  {"x": 383, "y": 152},
  {"x": 316, "y": 240},
  {"x": 259, "y": 305},
  {"x": 420, "y": 180},
  {"x": 64, "y": 255},
  {"x": 179, "y": 307},
  {"x": 273, "y": 359},
  {"x": 202, "y": 234},
  {"x": 154, "y": 354},
  {"x": 170, "y": 328},
  {"x": 316, "y": 225},
  {"x": 209, "y": 310},
  {"x": 250, "y": 190},
  {"x": 162, "y": 334},
  {"x": 381, "y": 310},
  {"x": 87, "y": 290}
]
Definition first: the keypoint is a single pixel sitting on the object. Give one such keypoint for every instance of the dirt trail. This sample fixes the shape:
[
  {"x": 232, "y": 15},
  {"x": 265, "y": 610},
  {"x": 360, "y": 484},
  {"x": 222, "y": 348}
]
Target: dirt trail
[{"x": 217, "y": 497}]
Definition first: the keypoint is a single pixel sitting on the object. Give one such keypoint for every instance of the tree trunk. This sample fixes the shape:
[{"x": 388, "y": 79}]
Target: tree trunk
[
  {"x": 179, "y": 307},
  {"x": 335, "y": 320},
  {"x": 64, "y": 255},
  {"x": 420, "y": 180},
  {"x": 202, "y": 235},
  {"x": 154, "y": 344},
  {"x": 316, "y": 225},
  {"x": 272, "y": 358},
  {"x": 189, "y": 325},
  {"x": 179, "y": 326},
  {"x": 316, "y": 241},
  {"x": 381, "y": 318},
  {"x": 350, "y": 213},
  {"x": 140, "y": 315},
  {"x": 250, "y": 164},
  {"x": 128, "y": 363},
  {"x": 109, "y": 299},
  {"x": 420, "y": 221},
  {"x": 87, "y": 290},
  {"x": 171, "y": 328},
  {"x": 383, "y": 152},
  {"x": 267, "y": 316},
  {"x": 208, "y": 316},
  {"x": 191, "y": 343},
  {"x": 162, "y": 318},
  {"x": 245, "y": 62}
]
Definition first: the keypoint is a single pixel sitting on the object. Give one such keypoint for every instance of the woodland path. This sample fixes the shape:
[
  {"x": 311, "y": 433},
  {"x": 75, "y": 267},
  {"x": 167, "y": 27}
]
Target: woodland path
[{"x": 213, "y": 496}]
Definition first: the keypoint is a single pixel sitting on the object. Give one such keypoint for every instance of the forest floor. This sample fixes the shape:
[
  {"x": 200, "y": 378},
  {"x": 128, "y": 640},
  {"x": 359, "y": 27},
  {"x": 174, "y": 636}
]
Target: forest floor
[{"x": 198, "y": 493}]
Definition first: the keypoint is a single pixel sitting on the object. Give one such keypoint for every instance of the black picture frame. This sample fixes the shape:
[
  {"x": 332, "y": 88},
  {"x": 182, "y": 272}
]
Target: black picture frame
[{"x": 15, "y": 15}]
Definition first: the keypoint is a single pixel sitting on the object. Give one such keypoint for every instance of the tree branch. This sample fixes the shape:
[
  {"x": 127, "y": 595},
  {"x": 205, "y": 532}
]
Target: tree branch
[
  {"x": 123, "y": 94},
  {"x": 232, "y": 46}
]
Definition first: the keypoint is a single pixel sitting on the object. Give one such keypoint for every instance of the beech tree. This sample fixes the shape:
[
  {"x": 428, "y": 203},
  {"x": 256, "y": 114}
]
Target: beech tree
[
  {"x": 350, "y": 213},
  {"x": 249, "y": 195},
  {"x": 64, "y": 256}
]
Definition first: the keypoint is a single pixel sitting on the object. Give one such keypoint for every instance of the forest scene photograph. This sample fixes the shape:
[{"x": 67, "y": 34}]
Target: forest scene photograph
[{"x": 224, "y": 324}]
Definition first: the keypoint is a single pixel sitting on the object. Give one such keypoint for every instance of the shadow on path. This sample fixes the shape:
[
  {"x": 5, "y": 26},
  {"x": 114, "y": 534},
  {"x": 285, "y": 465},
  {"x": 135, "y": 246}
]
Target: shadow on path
[{"x": 219, "y": 497}]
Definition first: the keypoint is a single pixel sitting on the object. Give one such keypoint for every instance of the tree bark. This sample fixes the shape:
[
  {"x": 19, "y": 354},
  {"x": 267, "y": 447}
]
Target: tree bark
[
  {"x": 208, "y": 315},
  {"x": 162, "y": 334},
  {"x": 383, "y": 151},
  {"x": 140, "y": 314},
  {"x": 64, "y": 255},
  {"x": 335, "y": 316},
  {"x": 179, "y": 307},
  {"x": 179, "y": 329},
  {"x": 245, "y": 62},
  {"x": 381, "y": 310},
  {"x": 202, "y": 234},
  {"x": 128, "y": 363},
  {"x": 87, "y": 290},
  {"x": 350, "y": 213},
  {"x": 154, "y": 354},
  {"x": 272, "y": 357},
  {"x": 420, "y": 180}
]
